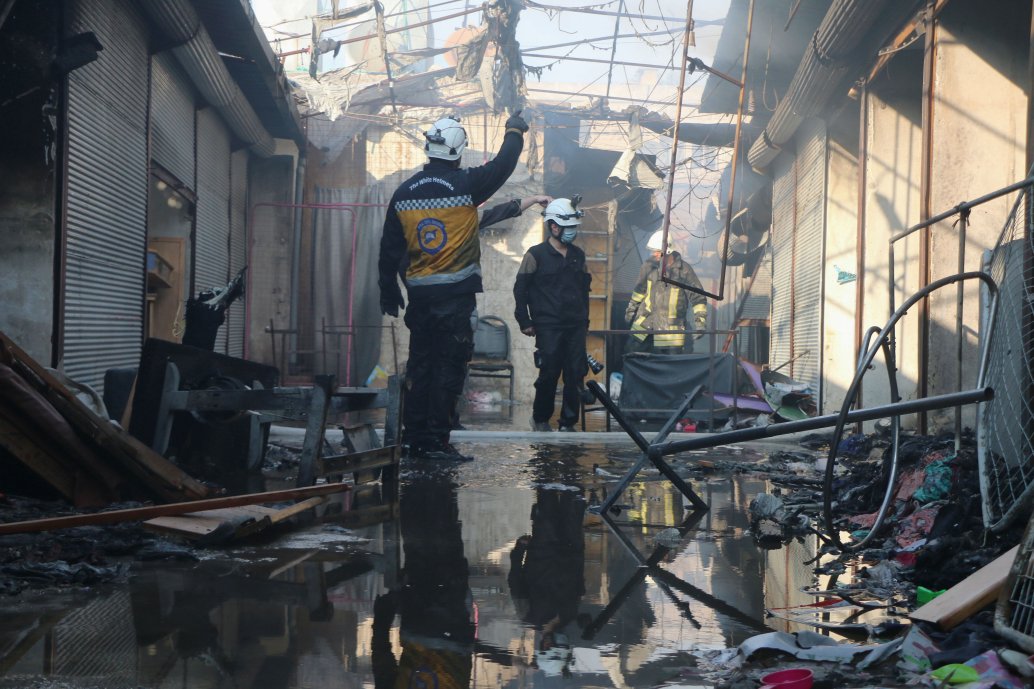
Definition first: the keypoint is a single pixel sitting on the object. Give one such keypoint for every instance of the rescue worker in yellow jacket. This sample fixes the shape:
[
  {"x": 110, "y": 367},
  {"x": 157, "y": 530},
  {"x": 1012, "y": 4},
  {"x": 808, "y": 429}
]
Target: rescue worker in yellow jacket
[
  {"x": 431, "y": 233},
  {"x": 661, "y": 306}
]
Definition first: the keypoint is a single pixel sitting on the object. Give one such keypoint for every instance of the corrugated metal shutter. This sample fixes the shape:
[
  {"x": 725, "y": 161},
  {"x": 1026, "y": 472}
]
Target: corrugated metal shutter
[
  {"x": 809, "y": 249},
  {"x": 757, "y": 302},
  {"x": 212, "y": 237},
  {"x": 172, "y": 118},
  {"x": 238, "y": 247},
  {"x": 106, "y": 210},
  {"x": 783, "y": 199}
]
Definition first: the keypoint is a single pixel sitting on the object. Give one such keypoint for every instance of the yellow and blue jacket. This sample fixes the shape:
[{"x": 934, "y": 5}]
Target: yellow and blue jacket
[{"x": 431, "y": 225}]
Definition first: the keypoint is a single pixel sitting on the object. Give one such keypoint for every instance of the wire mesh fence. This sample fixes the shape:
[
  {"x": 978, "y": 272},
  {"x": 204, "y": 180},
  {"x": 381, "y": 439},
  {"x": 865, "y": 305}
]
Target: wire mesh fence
[
  {"x": 1005, "y": 441},
  {"x": 1014, "y": 615}
]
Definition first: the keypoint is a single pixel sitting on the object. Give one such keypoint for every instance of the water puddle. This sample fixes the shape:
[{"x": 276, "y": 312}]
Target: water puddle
[{"x": 482, "y": 575}]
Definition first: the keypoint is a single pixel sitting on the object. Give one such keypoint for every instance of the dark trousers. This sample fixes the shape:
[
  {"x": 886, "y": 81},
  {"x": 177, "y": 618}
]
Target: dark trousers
[
  {"x": 561, "y": 350},
  {"x": 441, "y": 342}
]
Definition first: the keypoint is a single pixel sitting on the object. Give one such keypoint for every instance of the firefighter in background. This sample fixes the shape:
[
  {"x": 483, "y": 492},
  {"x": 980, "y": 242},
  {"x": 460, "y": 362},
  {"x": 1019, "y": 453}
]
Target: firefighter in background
[{"x": 661, "y": 306}]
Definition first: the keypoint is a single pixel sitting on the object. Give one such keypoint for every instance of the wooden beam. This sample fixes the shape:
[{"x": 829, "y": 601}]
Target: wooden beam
[
  {"x": 969, "y": 596},
  {"x": 141, "y": 513},
  {"x": 157, "y": 473}
]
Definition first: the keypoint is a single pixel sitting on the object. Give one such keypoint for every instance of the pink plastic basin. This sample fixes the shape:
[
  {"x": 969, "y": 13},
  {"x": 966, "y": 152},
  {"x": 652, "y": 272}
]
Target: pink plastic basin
[{"x": 788, "y": 679}]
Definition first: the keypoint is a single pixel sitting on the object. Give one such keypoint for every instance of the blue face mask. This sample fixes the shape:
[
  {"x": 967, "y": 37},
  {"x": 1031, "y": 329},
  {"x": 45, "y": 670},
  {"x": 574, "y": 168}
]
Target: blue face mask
[{"x": 568, "y": 235}]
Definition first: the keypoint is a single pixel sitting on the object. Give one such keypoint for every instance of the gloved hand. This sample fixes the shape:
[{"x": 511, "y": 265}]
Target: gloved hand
[
  {"x": 631, "y": 312},
  {"x": 700, "y": 317},
  {"x": 391, "y": 299},
  {"x": 515, "y": 121}
]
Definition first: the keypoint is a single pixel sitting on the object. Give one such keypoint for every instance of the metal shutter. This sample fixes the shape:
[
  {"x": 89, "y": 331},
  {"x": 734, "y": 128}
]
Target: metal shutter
[
  {"x": 238, "y": 247},
  {"x": 172, "y": 118},
  {"x": 106, "y": 209},
  {"x": 212, "y": 237},
  {"x": 809, "y": 255},
  {"x": 783, "y": 199}
]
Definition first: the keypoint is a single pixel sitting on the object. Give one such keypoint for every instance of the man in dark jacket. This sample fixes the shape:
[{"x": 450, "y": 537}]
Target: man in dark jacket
[
  {"x": 431, "y": 228},
  {"x": 657, "y": 306},
  {"x": 552, "y": 296}
]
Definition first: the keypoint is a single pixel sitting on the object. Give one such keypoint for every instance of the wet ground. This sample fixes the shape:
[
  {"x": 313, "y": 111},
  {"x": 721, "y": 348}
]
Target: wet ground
[{"x": 486, "y": 574}]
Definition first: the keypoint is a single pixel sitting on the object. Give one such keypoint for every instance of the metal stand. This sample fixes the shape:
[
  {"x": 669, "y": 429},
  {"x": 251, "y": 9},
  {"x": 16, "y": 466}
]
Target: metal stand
[
  {"x": 313, "y": 404},
  {"x": 684, "y": 488}
]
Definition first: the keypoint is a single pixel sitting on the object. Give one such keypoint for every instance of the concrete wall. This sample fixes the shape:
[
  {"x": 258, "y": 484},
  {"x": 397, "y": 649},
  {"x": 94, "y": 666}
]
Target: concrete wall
[
  {"x": 892, "y": 203},
  {"x": 838, "y": 316},
  {"x": 978, "y": 134},
  {"x": 270, "y": 242}
]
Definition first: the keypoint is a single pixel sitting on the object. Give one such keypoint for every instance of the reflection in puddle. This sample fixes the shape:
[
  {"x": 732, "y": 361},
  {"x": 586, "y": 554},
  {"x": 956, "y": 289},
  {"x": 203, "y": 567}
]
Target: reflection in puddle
[{"x": 484, "y": 576}]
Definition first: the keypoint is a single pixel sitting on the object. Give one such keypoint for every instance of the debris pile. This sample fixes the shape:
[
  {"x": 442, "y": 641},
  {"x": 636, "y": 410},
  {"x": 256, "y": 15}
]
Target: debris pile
[{"x": 926, "y": 577}]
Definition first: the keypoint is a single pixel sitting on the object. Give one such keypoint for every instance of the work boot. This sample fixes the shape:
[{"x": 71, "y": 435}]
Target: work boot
[
  {"x": 567, "y": 429},
  {"x": 541, "y": 426},
  {"x": 443, "y": 453}
]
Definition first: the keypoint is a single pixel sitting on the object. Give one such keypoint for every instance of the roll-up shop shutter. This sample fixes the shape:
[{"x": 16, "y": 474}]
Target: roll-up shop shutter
[
  {"x": 780, "y": 337},
  {"x": 172, "y": 118},
  {"x": 809, "y": 250},
  {"x": 106, "y": 187},
  {"x": 238, "y": 247},
  {"x": 212, "y": 236}
]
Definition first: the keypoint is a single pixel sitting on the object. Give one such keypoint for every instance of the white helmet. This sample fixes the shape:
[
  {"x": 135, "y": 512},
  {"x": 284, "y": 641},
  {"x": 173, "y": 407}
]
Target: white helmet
[
  {"x": 656, "y": 241},
  {"x": 446, "y": 139},
  {"x": 563, "y": 212}
]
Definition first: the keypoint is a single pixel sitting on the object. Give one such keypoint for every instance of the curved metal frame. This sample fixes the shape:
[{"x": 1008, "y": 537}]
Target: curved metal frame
[{"x": 865, "y": 360}]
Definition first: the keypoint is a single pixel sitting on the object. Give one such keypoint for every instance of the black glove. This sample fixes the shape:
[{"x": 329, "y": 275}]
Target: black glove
[
  {"x": 391, "y": 299},
  {"x": 515, "y": 121}
]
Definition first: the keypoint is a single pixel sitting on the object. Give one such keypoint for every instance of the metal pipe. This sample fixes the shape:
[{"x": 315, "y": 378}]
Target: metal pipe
[
  {"x": 601, "y": 38},
  {"x": 614, "y": 43},
  {"x": 609, "y": 13},
  {"x": 959, "y": 333},
  {"x": 638, "y": 439},
  {"x": 600, "y": 95},
  {"x": 736, "y": 148},
  {"x": 965, "y": 206},
  {"x": 816, "y": 422},
  {"x": 666, "y": 223},
  {"x": 296, "y": 250},
  {"x": 859, "y": 245},
  {"x": 356, "y": 39},
  {"x": 195, "y": 50},
  {"x": 925, "y": 209},
  {"x": 833, "y": 47}
]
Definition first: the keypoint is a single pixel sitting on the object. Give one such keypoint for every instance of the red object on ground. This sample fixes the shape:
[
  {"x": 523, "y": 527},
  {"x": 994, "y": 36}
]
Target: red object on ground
[{"x": 799, "y": 678}]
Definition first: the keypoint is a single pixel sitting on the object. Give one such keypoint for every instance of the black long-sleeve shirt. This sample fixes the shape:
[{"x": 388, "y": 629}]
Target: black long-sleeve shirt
[{"x": 552, "y": 290}]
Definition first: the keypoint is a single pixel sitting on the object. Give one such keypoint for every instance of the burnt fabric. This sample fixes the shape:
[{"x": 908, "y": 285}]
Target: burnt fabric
[
  {"x": 562, "y": 350},
  {"x": 441, "y": 343}
]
